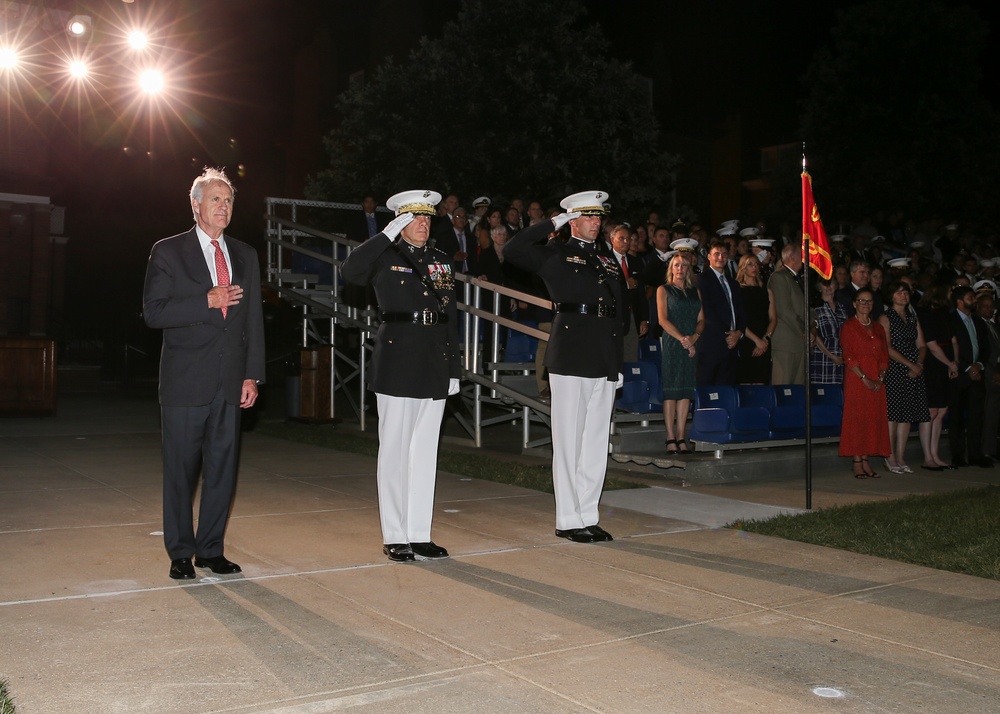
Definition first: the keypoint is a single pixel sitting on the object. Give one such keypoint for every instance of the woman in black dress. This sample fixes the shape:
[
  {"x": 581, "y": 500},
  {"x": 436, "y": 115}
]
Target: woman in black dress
[
  {"x": 754, "y": 365},
  {"x": 940, "y": 368}
]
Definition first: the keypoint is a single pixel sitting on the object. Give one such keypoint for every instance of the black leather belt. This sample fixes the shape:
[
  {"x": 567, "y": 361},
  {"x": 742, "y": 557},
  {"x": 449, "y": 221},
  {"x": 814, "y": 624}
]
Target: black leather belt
[
  {"x": 419, "y": 317},
  {"x": 582, "y": 309}
]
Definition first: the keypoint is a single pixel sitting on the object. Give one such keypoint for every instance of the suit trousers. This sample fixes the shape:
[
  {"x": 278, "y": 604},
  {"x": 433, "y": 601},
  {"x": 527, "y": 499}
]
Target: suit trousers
[
  {"x": 408, "y": 433},
  {"x": 198, "y": 440},
  {"x": 581, "y": 428},
  {"x": 965, "y": 420}
]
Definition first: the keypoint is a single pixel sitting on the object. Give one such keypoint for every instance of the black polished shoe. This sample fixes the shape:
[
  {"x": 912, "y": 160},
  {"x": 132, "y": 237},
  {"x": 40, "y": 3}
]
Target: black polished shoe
[
  {"x": 400, "y": 552},
  {"x": 599, "y": 533},
  {"x": 430, "y": 549},
  {"x": 181, "y": 569},
  {"x": 577, "y": 535},
  {"x": 219, "y": 565}
]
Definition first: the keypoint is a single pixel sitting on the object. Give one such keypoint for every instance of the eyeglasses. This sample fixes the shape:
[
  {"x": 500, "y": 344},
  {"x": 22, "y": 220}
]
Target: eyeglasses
[{"x": 864, "y": 301}]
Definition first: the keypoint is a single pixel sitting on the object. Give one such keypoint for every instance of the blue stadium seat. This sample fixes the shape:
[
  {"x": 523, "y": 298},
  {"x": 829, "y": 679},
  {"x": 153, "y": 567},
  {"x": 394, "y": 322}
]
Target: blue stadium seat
[
  {"x": 827, "y": 409},
  {"x": 788, "y": 418},
  {"x": 752, "y": 419},
  {"x": 649, "y": 351},
  {"x": 650, "y": 374},
  {"x": 634, "y": 397},
  {"x": 713, "y": 409}
]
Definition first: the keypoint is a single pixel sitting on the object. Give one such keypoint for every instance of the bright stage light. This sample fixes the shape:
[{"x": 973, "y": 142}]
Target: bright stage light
[
  {"x": 79, "y": 25},
  {"x": 8, "y": 58},
  {"x": 137, "y": 39},
  {"x": 78, "y": 69},
  {"x": 151, "y": 81}
]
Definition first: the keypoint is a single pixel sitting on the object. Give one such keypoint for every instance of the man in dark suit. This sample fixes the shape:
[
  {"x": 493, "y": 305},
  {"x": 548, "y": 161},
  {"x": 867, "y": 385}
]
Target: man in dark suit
[
  {"x": 458, "y": 243},
  {"x": 584, "y": 356},
  {"x": 861, "y": 276},
  {"x": 369, "y": 223},
  {"x": 635, "y": 309},
  {"x": 725, "y": 320},
  {"x": 203, "y": 290},
  {"x": 966, "y": 396},
  {"x": 414, "y": 367}
]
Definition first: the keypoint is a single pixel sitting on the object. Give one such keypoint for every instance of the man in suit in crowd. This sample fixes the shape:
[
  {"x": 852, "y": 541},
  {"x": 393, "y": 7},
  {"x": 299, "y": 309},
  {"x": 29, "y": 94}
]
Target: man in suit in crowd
[
  {"x": 861, "y": 275},
  {"x": 635, "y": 309},
  {"x": 203, "y": 290},
  {"x": 991, "y": 374},
  {"x": 369, "y": 223},
  {"x": 725, "y": 320},
  {"x": 458, "y": 243},
  {"x": 788, "y": 349},
  {"x": 414, "y": 367},
  {"x": 584, "y": 356},
  {"x": 967, "y": 394}
]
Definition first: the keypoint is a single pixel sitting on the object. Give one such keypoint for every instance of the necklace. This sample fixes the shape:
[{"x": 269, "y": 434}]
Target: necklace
[{"x": 866, "y": 324}]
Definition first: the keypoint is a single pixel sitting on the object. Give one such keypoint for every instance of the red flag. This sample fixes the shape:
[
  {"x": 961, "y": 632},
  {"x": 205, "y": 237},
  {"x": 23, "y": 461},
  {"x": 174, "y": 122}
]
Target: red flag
[{"x": 813, "y": 234}]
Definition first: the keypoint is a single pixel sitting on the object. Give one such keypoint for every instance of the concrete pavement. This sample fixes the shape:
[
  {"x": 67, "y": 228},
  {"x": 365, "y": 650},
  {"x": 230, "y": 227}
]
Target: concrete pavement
[{"x": 676, "y": 615}]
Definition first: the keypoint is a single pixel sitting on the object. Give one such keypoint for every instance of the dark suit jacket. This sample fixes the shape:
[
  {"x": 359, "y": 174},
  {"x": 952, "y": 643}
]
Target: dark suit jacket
[
  {"x": 359, "y": 230},
  {"x": 447, "y": 242},
  {"x": 201, "y": 350},
  {"x": 635, "y": 307},
  {"x": 712, "y": 343},
  {"x": 964, "y": 356},
  {"x": 580, "y": 345},
  {"x": 410, "y": 360}
]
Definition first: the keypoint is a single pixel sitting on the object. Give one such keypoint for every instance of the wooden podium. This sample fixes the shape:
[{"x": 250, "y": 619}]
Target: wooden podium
[{"x": 27, "y": 377}]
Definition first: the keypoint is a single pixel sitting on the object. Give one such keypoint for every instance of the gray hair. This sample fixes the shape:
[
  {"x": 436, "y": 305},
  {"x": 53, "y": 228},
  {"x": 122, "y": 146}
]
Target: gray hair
[{"x": 208, "y": 176}]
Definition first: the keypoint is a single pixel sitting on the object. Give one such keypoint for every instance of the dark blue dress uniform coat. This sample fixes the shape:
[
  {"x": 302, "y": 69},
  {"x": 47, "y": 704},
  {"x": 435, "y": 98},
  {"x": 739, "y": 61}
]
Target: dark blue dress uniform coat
[
  {"x": 410, "y": 359},
  {"x": 579, "y": 345}
]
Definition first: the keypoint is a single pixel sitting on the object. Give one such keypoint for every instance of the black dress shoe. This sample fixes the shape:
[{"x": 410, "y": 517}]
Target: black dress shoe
[
  {"x": 577, "y": 535},
  {"x": 218, "y": 565},
  {"x": 430, "y": 549},
  {"x": 599, "y": 533},
  {"x": 400, "y": 552},
  {"x": 181, "y": 569}
]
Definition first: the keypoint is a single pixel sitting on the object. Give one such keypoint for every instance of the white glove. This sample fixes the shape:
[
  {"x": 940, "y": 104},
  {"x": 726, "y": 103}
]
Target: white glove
[
  {"x": 397, "y": 224},
  {"x": 621, "y": 381},
  {"x": 452, "y": 387},
  {"x": 563, "y": 218}
]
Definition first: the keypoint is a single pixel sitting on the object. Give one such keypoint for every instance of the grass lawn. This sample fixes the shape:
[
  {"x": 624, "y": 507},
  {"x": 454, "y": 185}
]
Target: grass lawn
[
  {"x": 485, "y": 466},
  {"x": 6, "y": 705},
  {"x": 957, "y": 531}
]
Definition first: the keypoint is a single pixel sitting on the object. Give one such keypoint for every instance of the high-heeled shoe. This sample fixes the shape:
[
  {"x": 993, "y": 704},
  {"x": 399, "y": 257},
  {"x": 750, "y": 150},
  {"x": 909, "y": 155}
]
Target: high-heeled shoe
[
  {"x": 869, "y": 471},
  {"x": 892, "y": 469},
  {"x": 671, "y": 445},
  {"x": 858, "y": 470}
]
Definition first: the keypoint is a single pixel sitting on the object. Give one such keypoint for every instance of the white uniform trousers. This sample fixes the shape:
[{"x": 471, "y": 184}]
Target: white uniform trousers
[
  {"x": 581, "y": 423},
  {"x": 408, "y": 431}
]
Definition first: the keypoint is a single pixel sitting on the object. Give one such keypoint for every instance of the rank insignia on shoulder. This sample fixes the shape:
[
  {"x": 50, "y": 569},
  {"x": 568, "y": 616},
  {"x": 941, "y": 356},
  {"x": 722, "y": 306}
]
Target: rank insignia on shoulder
[
  {"x": 576, "y": 259},
  {"x": 400, "y": 269}
]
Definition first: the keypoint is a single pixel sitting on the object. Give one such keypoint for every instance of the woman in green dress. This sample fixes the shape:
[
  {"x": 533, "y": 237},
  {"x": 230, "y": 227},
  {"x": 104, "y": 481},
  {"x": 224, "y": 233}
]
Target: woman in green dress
[{"x": 678, "y": 309}]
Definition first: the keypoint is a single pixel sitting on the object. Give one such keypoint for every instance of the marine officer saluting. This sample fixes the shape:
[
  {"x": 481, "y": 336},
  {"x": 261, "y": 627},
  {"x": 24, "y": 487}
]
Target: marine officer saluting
[
  {"x": 414, "y": 367},
  {"x": 584, "y": 356}
]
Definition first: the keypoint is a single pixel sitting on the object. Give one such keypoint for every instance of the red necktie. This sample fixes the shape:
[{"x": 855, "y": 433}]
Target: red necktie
[
  {"x": 624, "y": 268},
  {"x": 221, "y": 271}
]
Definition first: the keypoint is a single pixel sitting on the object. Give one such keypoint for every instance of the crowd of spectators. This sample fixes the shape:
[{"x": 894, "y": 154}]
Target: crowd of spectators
[{"x": 727, "y": 306}]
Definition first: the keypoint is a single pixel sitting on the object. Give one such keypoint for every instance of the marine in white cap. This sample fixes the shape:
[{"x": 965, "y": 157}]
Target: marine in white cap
[
  {"x": 584, "y": 356},
  {"x": 414, "y": 367}
]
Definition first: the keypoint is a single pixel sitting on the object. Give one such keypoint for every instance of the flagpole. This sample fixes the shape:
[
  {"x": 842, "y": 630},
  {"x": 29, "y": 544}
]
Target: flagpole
[{"x": 805, "y": 334}]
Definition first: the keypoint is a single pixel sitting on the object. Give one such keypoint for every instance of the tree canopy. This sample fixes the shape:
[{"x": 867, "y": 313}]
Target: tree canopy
[
  {"x": 516, "y": 98},
  {"x": 896, "y": 119}
]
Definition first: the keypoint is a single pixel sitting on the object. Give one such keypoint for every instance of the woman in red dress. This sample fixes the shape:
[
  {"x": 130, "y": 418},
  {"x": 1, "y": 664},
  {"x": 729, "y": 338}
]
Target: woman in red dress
[{"x": 865, "y": 430}]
